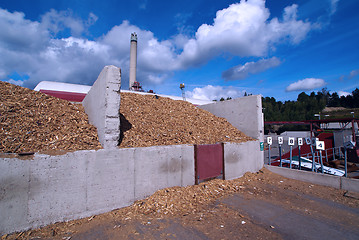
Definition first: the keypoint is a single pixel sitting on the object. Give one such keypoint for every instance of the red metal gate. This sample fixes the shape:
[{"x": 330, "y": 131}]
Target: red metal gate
[{"x": 209, "y": 161}]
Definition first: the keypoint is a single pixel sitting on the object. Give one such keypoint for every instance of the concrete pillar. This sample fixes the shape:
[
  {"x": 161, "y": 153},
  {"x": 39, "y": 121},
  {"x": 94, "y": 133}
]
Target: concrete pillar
[
  {"x": 133, "y": 60},
  {"x": 102, "y": 105}
]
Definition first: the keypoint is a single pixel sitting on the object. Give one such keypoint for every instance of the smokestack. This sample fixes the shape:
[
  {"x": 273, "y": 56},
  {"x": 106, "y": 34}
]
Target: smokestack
[{"x": 133, "y": 60}]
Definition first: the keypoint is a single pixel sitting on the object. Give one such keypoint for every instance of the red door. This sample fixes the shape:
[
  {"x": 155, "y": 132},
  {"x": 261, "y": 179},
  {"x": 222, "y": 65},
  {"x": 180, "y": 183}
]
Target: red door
[{"x": 209, "y": 161}]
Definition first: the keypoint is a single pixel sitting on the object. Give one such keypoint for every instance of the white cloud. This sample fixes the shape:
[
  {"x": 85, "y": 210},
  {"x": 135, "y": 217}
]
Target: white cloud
[
  {"x": 16, "y": 82},
  {"x": 31, "y": 48},
  {"x": 342, "y": 93},
  {"x": 349, "y": 76},
  {"x": 20, "y": 35},
  {"x": 56, "y": 22},
  {"x": 242, "y": 71},
  {"x": 243, "y": 29},
  {"x": 333, "y": 6},
  {"x": 153, "y": 56},
  {"x": 210, "y": 93},
  {"x": 354, "y": 73},
  {"x": 306, "y": 84},
  {"x": 34, "y": 48},
  {"x": 181, "y": 23}
]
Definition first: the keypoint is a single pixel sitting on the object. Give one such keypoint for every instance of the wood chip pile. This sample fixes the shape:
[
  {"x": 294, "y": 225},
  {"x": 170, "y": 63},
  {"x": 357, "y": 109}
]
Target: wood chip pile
[
  {"x": 191, "y": 199},
  {"x": 149, "y": 120},
  {"x": 185, "y": 200},
  {"x": 31, "y": 121}
]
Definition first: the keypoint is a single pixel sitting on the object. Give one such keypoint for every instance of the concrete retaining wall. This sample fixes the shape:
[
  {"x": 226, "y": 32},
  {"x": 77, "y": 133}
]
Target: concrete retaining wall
[
  {"x": 80, "y": 184},
  {"x": 49, "y": 189},
  {"x": 241, "y": 158},
  {"x": 317, "y": 178},
  {"x": 349, "y": 184},
  {"x": 246, "y": 115},
  {"x": 243, "y": 113},
  {"x": 102, "y": 104}
]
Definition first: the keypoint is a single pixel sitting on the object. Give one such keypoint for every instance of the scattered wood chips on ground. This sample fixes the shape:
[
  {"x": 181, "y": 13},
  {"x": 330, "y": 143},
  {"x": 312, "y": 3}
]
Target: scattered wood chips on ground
[{"x": 31, "y": 121}]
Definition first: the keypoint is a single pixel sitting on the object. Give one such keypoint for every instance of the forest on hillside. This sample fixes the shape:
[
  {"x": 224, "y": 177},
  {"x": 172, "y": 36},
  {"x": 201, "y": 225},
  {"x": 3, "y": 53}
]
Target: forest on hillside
[{"x": 306, "y": 105}]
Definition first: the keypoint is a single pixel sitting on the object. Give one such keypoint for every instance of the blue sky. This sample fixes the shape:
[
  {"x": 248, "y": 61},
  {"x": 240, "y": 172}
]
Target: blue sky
[{"x": 217, "y": 48}]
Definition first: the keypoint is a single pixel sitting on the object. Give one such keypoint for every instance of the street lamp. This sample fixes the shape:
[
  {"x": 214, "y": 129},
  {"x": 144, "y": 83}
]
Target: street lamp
[
  {"x": 352, "y": 113},
  {"x": 317, "y": 115}
]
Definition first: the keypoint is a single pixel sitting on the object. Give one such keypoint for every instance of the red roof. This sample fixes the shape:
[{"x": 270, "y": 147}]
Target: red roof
[{"x": 70, "y": 96}]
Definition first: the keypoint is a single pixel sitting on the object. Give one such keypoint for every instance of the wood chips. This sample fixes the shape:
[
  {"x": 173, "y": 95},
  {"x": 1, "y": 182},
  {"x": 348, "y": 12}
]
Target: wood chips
[
  {"x": 191, "y": 199},
  {"x": 149, "y": 120},
  {"x": 184, "y": 200},
  {"x": 31, "y": 121}
]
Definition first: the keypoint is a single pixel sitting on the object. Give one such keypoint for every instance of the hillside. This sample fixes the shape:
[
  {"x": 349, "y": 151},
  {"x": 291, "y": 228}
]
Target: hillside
[{"x": 339, "y": 112}]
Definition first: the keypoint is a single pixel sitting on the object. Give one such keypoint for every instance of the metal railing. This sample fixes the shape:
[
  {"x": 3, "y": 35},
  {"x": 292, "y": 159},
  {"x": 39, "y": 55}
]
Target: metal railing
[{"x": 316, "y": 157}]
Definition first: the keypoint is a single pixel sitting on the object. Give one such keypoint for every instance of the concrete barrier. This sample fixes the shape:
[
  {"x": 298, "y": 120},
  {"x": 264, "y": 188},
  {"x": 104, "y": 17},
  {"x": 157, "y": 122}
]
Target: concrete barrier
[
  {"x": 102, "y": 104},
  {"x": 246, "y": 115},
  {"x": 243, "y": 113},
  {"x": 48, "y": 189},
  {"x": 170, "y": 166},
  {"x": 350, "y": 184},
  {"x": 240, "y": 158},
  {"x": 317, "y": 178},
  {"x": 14, "y": 181}
]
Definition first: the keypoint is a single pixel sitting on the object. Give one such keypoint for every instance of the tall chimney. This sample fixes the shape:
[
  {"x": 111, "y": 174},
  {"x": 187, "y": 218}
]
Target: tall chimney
[{"x": 133, "y": 60}]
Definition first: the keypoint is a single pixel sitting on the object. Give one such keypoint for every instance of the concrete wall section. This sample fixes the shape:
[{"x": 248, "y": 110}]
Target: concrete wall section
[
  {"x": 50, "y": 189},
  {"x": 243, "y": 113},
  {"x": 350, "y": 184},
  {"x": 241, "y": 158},
  {"x": 344, "y": 183},
  {"x": 110, "y": 182},
  {"x": 316, "y": 178},
  {"x": 187, "y": 167},
  {"x": 102, "y": 104},
  {"x": 80, "y": 184},
  {"x": 54, "y": 184},
  {"x": 14, "y": 185},
  {"x": 161, "y": 167}
]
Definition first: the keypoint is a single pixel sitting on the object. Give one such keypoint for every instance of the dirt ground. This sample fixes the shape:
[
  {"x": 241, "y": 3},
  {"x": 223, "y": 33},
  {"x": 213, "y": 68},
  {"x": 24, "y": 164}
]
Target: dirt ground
[{"x": 259, "y": 205}]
